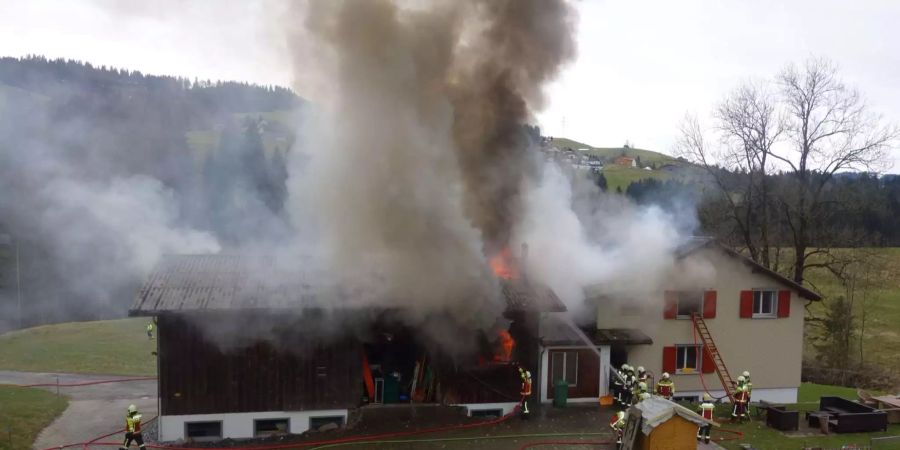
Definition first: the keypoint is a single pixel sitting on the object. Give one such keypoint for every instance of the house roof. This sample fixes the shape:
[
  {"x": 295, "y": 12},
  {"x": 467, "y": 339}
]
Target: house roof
[
  {"x": 181, "y": 283},
  {"x": 701, "y": 242},
  {"x": 656, "y": 410},
  {"x": 556, "y": 331}
]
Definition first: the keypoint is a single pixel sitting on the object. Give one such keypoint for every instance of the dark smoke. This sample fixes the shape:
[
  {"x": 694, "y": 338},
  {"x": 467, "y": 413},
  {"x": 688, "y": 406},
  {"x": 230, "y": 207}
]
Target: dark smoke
[{"x": 419, "y": 150}]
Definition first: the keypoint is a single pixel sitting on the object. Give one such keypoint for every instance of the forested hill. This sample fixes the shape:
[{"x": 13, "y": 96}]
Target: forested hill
[{"x": 103, "y": 169}]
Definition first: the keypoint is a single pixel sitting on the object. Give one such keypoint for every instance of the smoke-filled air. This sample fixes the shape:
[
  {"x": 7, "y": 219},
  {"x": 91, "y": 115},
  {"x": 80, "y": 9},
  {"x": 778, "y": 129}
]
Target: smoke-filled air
[{"x": 412, "y": 161}]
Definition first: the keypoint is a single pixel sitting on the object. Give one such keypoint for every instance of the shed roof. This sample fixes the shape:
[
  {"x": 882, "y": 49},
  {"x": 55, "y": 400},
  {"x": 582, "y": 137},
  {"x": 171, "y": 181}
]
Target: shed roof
[
  {"x": 703, "y": 242},
  {"x": 656, "y": 410},
  {"x": 181, "y": 283}
]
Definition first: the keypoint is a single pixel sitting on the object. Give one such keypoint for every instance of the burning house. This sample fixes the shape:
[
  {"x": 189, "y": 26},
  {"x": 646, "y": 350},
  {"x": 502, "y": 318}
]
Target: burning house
[{"x": 241, "y": 354}]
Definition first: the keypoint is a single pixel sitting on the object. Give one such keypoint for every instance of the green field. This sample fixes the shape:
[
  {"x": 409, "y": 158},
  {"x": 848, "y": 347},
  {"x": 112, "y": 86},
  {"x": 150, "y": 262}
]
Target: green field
[
  {"x": 621, "y": 176},
  {"x": 878, "y": 296},
  {"x": 647, "y": 156},
  {"x": 24, "y": 412},
  {"x": 115, "y": 347}
]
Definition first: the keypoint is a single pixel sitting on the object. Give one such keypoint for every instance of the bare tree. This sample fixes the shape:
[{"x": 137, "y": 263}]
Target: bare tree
[
  {"x": 829, "y": 129},
  {"x": 747, "y": 127}
]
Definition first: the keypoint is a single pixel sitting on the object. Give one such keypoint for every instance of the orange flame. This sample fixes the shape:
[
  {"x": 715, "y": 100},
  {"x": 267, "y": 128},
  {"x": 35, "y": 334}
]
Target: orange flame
[
  {"x": 503, "y": 265},
  {"x": 504, "y": 353}
]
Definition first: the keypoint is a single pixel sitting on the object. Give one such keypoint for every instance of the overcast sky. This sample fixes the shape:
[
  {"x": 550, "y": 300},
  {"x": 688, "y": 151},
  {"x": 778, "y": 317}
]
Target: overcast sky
[{"x": 641, "y": 64}]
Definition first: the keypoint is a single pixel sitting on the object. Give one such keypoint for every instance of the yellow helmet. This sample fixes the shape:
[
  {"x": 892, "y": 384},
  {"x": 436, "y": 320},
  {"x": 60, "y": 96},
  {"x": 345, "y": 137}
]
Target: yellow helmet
[
  {"x": 132, "y": 409},
  {"x": 741, "y": 378},
  {"x": 746, "y": 374},
  {"x": 642, "y": 386},
  {"x": 707, "y": 397},
  {"x": 620, "y": 414}
]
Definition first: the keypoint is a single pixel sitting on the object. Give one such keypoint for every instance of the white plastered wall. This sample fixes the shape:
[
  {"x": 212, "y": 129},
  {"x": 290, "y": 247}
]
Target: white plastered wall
[{"x": 241, "y": 425}]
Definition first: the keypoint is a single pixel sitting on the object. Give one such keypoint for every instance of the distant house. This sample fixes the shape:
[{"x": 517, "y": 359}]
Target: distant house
[{"x": 626, "y": 161}]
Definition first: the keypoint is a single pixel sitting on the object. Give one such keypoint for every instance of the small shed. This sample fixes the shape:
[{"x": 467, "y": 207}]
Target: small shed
[{"x": 660, "y": 424}]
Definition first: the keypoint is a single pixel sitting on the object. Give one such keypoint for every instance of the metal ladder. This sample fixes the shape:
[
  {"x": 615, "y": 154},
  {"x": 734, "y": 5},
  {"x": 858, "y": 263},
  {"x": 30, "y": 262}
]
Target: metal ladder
[{"x": 710, "y": 346}]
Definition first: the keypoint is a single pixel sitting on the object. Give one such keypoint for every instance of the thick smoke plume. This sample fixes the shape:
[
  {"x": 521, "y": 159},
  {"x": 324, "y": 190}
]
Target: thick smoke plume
[{"x": 419, "y": 152}]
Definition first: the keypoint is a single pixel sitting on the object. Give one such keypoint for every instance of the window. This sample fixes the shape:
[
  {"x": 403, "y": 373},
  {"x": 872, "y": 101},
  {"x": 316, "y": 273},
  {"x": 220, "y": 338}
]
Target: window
[
  {"x": 765, "y": 303},
  {"x": 316, "y": 423},
  {"x": 687, "y": 358},
  {"x": 564, "y": 366},
  {"x": 203, "y": 431},
  {"x": 270, "y": 427},
  {"x": 689, "y": 302},
  {"x": 486, "y": 413}
]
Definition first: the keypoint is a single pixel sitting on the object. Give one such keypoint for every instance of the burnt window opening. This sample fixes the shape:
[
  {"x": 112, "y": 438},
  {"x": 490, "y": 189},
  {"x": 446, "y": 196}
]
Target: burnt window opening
[
  {"x": 318, "y": 422},
  {"x": 689, "y": 302},
  {"x": 203, "y": 431}
]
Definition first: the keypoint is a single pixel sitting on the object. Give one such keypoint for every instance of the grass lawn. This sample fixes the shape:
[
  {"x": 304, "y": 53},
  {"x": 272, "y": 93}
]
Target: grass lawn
[
  {"x": 764, "y": 438},
  {"x": 881, "y": 338},
  {"x": 621, "y": 176},
  {"x": 25, "y": 412},
  {"x": 116, "y": 347}
]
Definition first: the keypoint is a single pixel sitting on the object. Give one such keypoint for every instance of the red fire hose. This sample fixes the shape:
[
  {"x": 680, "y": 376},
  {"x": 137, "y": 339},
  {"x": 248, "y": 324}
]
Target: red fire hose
[{"x": 87, "y": 383}]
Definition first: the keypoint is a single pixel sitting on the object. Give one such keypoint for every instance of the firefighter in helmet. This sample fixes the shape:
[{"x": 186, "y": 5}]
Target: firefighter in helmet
[
  {"x": 642, "y": 374},
  {"x": 748, "y": 384},
  {"x": 525, "y": 391},
  {"x": 617, "y": 423},
  {"x": 706, "y": 410},
  {"x": 133, "y": 429},
  {"x": 665, "y": 387},
  {"x": 640, "y": 393},
  {"x": 741, "y": 398},
  {"x": 628, "y": 389},
  {"x": 618, "y": 383}
]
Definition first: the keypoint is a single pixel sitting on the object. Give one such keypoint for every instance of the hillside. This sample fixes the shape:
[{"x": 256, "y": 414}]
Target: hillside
[
  {"x": 114, "y": 347},
  {"x": 646, "y": 156}
]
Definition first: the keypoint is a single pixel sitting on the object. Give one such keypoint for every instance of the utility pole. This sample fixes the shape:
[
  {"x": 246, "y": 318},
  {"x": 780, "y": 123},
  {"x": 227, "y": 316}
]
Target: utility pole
[{"x": 18, "y": 288}]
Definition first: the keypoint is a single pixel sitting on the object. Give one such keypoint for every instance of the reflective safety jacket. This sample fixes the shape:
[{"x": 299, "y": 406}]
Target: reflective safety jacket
[
  {"x": 706, "y": 410},
  {"x": 616, "y": 423},
  {"x": 133, "y": 423},
  {"x": 526, "y": 387},
  {"x": 665, "y": 388}
]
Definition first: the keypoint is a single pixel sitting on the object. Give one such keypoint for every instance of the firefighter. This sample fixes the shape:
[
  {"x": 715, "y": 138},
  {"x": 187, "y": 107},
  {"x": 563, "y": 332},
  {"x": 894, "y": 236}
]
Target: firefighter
[
  {"x": 617, "y": 423},
  {"x": 741, "y": 396},
  {"x": 639, "y": 393},
  {"x": 133, "y": 429},
  {"x": 748, "y": 383},
  {"x": 526, "y": 392},
  {"x": 628, "y": 389},
  {"x": 665, "y": 387},
  {"x": 642, "y": 375},
  {"x": 618, "y": 383},
  {"x": 150, "y": 330},
  {"x": 706, "y": 410}
]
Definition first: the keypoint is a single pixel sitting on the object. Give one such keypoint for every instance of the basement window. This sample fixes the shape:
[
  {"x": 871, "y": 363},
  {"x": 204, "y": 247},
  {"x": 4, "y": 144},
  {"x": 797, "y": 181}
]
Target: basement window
[
  {"x": 318, "y": 422},
  {"x": 687, "y": 358},
  {"x": 486, "y": 413},
  {"x": 270, "y": 427},
  {"x": 765, "y": 303},
  {"x": 689, "y": 302},
  {"x": 203, "y": 431}
]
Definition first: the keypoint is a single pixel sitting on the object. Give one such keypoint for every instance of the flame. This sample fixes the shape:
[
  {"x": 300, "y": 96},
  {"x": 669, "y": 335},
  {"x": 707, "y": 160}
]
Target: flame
[
  {"x": 505, "y": 349},
  {"x": 503, "y": 265}
]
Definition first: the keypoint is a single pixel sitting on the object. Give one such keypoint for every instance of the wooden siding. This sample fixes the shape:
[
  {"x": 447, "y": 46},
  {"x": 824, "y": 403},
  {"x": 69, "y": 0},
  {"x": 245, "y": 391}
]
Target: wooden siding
[
  {"x": 588, "y": 375},
  {"x": 197, "y": 377}
]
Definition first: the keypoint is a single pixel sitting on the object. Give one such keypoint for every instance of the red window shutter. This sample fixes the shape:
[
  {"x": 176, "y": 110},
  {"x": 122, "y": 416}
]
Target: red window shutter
[
  {"x": 669, "y": 355},
  {"x": 746, "y": 304},
  {"x": 708, "y": 365},
  {"x": 709, "y": 304},
  {"x": 671, "y": 307},
  {"x": 784, "y": 303}
]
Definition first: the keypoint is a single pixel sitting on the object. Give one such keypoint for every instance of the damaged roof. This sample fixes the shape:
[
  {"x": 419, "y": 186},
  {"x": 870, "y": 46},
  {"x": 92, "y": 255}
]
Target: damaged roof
[
  {"x": 703, "y": 242},
  {"x": 182, "y": 283},
  {"x": 556, "y": 331}
]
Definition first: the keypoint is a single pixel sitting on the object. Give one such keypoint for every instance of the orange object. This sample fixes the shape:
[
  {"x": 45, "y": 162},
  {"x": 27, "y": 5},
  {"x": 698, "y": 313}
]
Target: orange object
[
  {"x": 367, "y": 377},
  {"x": 606, "y": 400}
]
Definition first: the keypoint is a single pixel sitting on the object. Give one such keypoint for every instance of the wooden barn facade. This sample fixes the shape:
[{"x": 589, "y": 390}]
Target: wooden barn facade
[{"x": 243, "y": 356}]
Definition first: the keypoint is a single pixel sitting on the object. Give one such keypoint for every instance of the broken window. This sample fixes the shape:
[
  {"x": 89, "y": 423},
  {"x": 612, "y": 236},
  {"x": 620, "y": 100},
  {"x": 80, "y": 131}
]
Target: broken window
[
  {"x": 203, "y": 431},
  {"x": 270, "y": 427},
  {"x": 689, "y": 302}
]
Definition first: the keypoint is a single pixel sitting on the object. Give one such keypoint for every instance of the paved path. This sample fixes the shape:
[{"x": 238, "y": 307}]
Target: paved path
[{"x": 93, "y": 410}]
